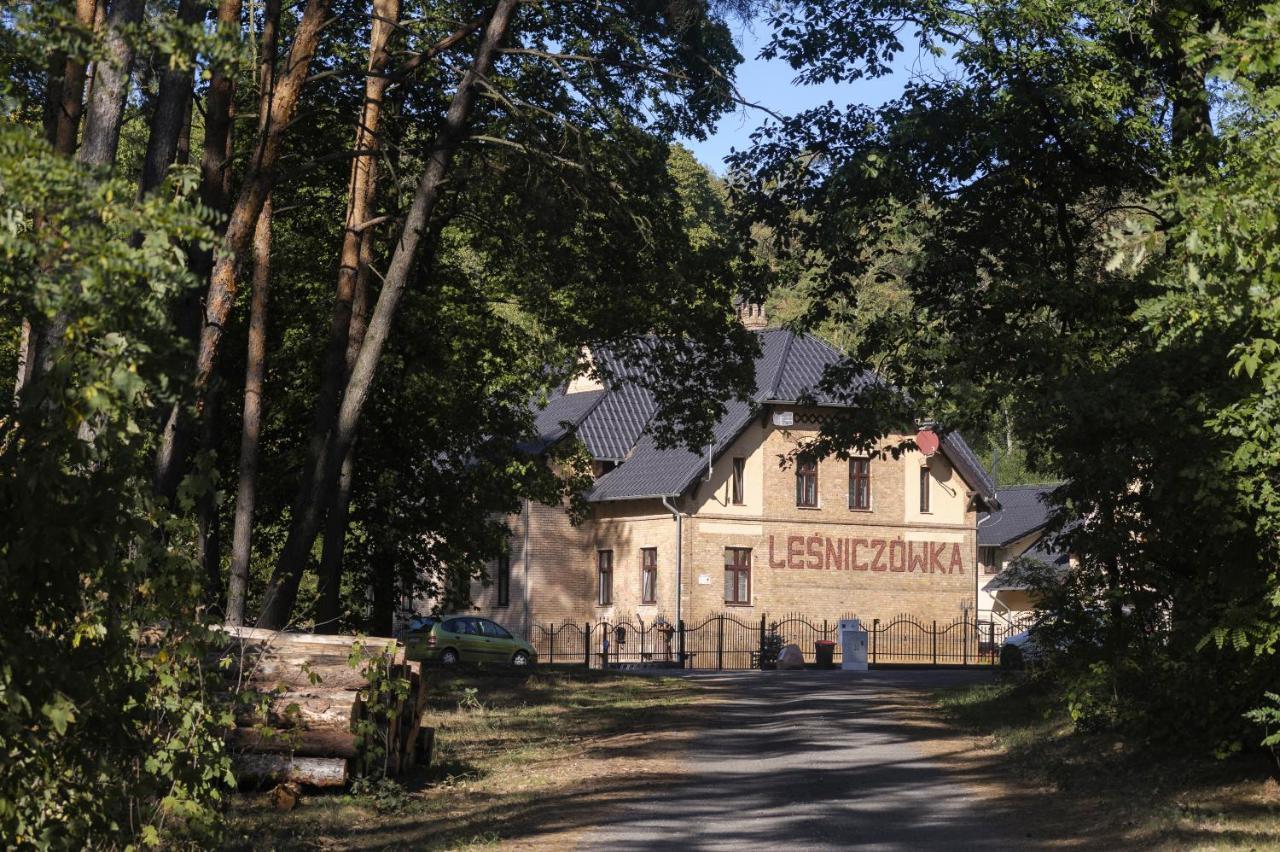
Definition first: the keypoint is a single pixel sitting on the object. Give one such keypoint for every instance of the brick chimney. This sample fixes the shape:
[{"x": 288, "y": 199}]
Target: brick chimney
[{"x": 752, "y": 315}]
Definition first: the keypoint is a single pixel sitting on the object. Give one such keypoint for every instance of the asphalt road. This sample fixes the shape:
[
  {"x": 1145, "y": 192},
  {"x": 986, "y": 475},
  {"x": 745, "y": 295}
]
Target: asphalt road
[{"x": 818, "y": 760}]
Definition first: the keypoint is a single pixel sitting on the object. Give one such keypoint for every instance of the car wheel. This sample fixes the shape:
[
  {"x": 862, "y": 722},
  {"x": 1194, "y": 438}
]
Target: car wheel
[
  {"x": 449, "y": 657},
  {"x": 1011, "y": 658},
  {"x": 520, "y": 658}
]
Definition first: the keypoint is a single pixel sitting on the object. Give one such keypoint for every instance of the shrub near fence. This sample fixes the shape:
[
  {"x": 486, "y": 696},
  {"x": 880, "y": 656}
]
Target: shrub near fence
[{"x": 727, "y": 641}]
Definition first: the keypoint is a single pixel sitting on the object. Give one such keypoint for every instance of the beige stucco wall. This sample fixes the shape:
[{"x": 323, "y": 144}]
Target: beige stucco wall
[{"x": 994, "y": 604}]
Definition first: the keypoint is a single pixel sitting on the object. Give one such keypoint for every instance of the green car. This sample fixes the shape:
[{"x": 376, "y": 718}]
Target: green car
[{"x": 453, "y": 639}]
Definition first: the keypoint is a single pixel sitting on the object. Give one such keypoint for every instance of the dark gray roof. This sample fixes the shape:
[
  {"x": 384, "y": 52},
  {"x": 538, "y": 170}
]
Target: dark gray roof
[
  {"x": 613, "y": 427},
  {"x": 971, "y": 470},
  {"x": 789, "y": 369},
  {"x": 1023, "y": 510},
  {"x": 561, "y": 408}
]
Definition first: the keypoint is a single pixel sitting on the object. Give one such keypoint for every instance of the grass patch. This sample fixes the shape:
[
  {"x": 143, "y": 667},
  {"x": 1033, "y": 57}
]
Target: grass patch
[
  {"x": 1112, "y": 790},
  {"x": 531, "y": 754}
]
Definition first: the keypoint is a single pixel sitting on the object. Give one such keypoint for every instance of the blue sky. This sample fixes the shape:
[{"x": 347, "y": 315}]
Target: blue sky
[{"x": 770, "y": 84}]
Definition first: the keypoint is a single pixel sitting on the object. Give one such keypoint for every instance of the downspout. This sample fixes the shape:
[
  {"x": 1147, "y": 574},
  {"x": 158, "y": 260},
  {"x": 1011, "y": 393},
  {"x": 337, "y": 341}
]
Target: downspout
[
  {"x": 525, "y": 552},
  {"x": 977, "y": 581},
  {"x": 679, "y": 557}
]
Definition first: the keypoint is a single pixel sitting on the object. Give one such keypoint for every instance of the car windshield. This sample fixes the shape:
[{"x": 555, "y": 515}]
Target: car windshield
[{"x": 488, "y": 628}]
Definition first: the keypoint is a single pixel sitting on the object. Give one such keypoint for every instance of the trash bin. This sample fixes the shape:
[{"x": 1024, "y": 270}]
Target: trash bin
[{"x": 824, "y": 652}]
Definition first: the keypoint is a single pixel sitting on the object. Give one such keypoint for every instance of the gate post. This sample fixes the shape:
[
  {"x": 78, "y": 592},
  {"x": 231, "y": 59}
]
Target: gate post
[
  {"x": 875, "y": 635},
  {"x": 680, "y": 652},
  {"x": 935, "y": 641},
  {"x": 965, "y": 637},
  {"x": 586, "y": 644},
  {"x": 761, "y": 657},
  {"x": 720, "y": 642},
  {"x": 552, "y": 633},
  {"x": 991, "y": 639}
]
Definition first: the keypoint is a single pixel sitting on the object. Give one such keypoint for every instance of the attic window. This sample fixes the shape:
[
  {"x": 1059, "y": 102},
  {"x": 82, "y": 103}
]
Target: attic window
[{"x": 739, "y": 481}]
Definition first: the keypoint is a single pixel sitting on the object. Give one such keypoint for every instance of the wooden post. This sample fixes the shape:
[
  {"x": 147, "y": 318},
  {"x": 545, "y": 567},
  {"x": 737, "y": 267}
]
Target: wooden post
[
  {"x": 720, "y": 642},
  {"x": 935, "y": 641}
]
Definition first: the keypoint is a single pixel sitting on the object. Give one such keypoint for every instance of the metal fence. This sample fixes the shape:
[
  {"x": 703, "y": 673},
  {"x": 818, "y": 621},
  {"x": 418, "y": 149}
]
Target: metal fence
[{"x": 727, "y": 641}]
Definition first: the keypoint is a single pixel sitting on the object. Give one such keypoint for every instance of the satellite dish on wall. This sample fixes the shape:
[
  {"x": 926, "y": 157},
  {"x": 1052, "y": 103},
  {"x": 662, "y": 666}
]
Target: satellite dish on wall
[{"x": 928, "y": 442}]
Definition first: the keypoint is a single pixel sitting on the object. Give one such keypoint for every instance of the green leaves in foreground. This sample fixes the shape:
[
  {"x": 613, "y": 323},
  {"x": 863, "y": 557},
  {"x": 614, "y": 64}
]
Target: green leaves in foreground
[{"x": 107, "y": 731}]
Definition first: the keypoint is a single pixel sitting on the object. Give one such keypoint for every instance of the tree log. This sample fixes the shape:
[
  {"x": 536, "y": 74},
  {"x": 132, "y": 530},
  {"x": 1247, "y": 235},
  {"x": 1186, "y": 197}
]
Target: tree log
[
  {"x": 415, "y": 705},
  {"x": 305, "y": 743},
  {"x": 269, "y": 673},
  {"x": 278, "y": 637},
  {"x": 312, "y": 710},
  {"x": 316, "y": 771}
]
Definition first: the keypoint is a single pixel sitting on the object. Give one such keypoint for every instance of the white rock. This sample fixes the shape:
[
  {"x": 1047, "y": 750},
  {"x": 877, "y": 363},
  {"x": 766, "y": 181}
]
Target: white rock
[{"x": 791, "y": 657}]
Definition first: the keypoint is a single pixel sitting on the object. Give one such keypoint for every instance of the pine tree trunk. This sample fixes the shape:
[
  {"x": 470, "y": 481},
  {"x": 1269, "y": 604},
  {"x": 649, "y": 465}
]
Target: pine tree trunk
[
  {"x": 255, "y": 362},
  {"x": 349, "y": 319},
  {"x": 209, "y": 541},
  {"x": 63, "y": 108},
  {"x": 215, "y": 181},
  {"x": 241, "y": 225},
  {"x": 171, "y": 120},
  {"x": 215, "y": 164},
  {"x": 384, "y": 595},
  {"x": 71, "y": 101},
  {"x": 110, "y": 86},
  {"x": 101, "y": 137},
  {"x": 215, "y": 191},
  {"x": 335, "y": 532},
  {"x": 329, "y": 606},
  {"x": 322, "y": 477},
  {"x": 255, "y": 371}
]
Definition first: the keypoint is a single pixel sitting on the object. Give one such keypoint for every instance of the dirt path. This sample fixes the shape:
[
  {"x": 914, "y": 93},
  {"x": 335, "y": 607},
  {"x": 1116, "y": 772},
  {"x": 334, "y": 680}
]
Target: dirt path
[{"x": 827, "y": 760}]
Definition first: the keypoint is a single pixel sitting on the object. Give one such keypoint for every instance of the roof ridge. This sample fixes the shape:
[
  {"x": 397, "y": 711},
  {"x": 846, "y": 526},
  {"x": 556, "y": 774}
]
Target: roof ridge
[
  {"x": 1030, "y": 485},
  {"x": 816, "y": 339}
]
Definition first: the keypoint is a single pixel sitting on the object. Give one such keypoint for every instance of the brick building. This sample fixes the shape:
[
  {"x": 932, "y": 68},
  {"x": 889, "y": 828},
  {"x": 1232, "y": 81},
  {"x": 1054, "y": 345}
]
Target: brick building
[{"x": 674, "y": 534}]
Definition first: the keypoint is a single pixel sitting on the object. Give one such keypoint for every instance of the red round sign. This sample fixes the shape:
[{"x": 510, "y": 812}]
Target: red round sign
[{"x": 928, "y": 442}]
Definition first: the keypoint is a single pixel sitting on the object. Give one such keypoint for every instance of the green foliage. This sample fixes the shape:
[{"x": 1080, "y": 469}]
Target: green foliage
[
  {"x": 771, "y": 647},
  {"x": 382, "y": 699},
  {"x": 386, "y": 795},
  {"x": 1092, "y": 265},
  {"x": 107, "y": 733},
  {"x": 1268, "y": 718}
]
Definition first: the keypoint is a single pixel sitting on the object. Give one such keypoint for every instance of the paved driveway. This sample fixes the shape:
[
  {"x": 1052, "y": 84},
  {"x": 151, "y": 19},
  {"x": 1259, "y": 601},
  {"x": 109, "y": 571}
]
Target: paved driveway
[{"x": 818, "y": 760}]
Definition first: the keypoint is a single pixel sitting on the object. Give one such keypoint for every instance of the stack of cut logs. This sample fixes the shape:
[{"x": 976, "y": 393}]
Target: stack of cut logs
[{"x": 301, "y": 703}]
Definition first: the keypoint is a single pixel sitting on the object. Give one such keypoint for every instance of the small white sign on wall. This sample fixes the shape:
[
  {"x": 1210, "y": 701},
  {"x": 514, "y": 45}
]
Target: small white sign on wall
[
  {"x": 784, "y": 418},
  {"x": 704, "y": 579}
]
